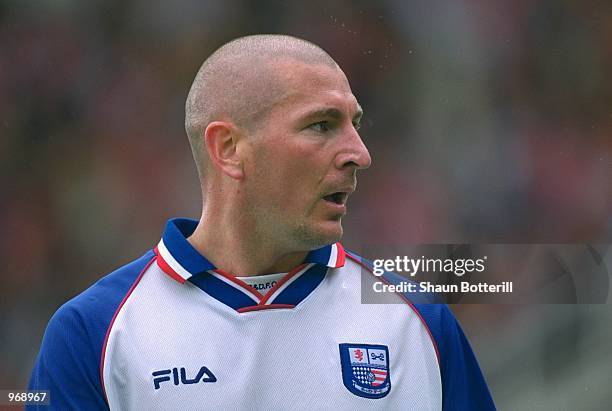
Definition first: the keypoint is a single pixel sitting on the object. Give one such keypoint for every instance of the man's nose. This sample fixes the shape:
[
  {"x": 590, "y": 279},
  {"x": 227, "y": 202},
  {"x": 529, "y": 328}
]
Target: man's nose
[{"x": 355, "y": 153}]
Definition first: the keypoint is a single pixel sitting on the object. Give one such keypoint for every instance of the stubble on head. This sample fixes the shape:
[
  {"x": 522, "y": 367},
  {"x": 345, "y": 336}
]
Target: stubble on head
[
  {"x": 242, "y": 83},
  {"x": 239, "y": 82}
]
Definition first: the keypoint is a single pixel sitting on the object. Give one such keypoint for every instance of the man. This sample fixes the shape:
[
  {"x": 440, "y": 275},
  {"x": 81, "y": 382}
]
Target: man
[{"x": 257, "y": 305}]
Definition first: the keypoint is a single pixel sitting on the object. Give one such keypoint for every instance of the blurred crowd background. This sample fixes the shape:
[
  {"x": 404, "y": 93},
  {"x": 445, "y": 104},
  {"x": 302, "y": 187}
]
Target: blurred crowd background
[{"x": 487, "y": 121}]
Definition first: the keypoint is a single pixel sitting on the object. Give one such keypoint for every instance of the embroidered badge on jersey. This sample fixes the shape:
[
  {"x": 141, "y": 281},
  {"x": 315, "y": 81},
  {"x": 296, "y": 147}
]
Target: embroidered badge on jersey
[{"x": 365, "y": 369}]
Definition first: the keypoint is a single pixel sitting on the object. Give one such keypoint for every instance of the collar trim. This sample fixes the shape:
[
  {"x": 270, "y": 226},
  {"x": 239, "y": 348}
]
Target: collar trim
[
  {"x": 284, "y": 283},
  {"x": 166, "y": 262},
  {"x": 237, "y": 284},
  {"x": 182, "y": 262}
]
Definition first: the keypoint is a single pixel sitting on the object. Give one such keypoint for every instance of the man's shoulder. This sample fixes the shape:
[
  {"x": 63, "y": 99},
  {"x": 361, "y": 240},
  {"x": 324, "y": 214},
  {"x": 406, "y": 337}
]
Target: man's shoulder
[
  {"x": 415, "y": 298},
  {"x": 69, "y": 360},
  {"x": 98, "y": 303}
]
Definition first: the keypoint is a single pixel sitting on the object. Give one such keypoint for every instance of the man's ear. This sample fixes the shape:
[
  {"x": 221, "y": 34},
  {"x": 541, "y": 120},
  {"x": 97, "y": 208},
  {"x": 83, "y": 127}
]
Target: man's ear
[{"x": 221, "y": 138}]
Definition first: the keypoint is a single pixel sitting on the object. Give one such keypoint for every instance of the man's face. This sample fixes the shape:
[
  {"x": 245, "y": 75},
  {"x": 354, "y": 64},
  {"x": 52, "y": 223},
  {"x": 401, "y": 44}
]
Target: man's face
[{"x": 302, "y": 161}]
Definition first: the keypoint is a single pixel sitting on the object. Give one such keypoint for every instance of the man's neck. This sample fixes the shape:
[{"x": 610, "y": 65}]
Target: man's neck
[{"x": 242, "y": 254}]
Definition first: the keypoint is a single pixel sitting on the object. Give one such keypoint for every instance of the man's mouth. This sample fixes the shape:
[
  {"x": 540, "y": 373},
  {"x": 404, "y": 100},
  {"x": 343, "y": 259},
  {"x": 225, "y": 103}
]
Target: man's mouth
[{"x": 338, "y": 197}]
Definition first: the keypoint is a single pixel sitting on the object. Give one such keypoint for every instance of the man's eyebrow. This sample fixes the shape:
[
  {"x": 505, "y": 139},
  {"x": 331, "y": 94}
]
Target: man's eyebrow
[{"x": 331, "y": 112}]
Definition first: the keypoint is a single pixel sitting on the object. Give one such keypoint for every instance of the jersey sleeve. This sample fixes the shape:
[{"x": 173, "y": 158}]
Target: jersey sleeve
[
  {"x": 66, "y": 365},
  {"x": 69, "y": 361},
  {"x": 463, "y": 385}
]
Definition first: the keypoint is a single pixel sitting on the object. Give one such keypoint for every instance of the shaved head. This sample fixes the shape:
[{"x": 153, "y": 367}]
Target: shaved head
[{"x": 239, "y": 83}]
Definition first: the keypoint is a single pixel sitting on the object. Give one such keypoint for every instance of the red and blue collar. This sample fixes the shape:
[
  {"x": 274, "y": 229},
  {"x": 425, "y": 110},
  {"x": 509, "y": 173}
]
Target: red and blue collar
[{"x": 177, "y": 258}]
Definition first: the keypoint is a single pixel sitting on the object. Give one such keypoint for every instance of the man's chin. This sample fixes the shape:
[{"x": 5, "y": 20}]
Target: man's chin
[
  {"x": 322, "y": 234},
  {"x": 329, "y": 232}
]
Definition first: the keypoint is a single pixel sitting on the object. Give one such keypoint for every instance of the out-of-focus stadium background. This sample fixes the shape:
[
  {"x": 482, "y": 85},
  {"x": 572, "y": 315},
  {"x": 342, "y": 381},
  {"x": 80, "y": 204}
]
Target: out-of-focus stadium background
[{"x": 488, "y": 121}]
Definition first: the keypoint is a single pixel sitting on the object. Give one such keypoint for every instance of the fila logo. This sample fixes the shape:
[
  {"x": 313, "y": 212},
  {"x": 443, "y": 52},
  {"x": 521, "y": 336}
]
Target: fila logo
[{"x": 204, "y": 375}]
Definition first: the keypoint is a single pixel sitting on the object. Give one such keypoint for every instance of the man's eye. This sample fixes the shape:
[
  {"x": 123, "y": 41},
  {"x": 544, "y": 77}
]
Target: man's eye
[{"x": 321, "y": 126}]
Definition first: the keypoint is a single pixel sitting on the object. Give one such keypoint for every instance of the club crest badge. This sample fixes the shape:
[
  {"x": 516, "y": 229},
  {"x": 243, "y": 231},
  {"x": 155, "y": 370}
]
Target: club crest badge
[{"x": 365, "y": 369}]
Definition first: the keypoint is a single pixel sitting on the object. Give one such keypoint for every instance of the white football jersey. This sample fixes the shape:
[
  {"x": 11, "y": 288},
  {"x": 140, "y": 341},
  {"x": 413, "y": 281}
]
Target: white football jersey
[{"x": 171, "y": 331}]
